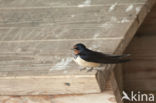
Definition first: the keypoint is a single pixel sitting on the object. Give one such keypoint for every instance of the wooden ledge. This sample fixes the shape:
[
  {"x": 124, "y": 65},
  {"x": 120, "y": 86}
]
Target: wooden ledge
[
  {"x": 107, "y": 96},
  {"x": 39, "y": 63}
]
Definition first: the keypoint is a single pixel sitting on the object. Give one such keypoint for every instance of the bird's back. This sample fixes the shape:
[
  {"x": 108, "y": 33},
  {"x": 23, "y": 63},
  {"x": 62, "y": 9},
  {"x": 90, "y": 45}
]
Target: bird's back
[{"x": 98, "y": 57}]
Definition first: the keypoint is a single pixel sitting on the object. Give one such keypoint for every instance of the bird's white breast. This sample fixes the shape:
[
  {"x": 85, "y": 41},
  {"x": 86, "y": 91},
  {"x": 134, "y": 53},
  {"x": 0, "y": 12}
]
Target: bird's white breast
[{"x": 84, "y": 63}]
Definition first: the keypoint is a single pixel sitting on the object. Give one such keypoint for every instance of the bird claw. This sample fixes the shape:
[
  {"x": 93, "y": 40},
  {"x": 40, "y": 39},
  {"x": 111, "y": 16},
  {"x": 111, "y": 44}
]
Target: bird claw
[
  {"x": 89, "y": 70},
  {"x": 82, "y": 69}
]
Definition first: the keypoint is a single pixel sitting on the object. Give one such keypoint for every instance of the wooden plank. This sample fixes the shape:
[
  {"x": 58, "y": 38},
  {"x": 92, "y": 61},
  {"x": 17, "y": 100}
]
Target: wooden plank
[
  {"x": 148, "y": 25},
  {"x": 139, "y": 74},
  {"x": 118, "y": 75},
  {"x": 44, "y": 73},
  {"x": 115, "y": 80},
  {"x": 128, "y": 84},
  {"x": 45, "y": 55},
  {"x": 27, "y": 72},
  {"x": 96, "y": 14},
  {"x": 38, "y": 86},
  {"x": 73, "y": 82},
  {"x": 56, "y": 46},
  {"x": 61, "y": 3},
  {"x": 137, "y": 22},
  {"x": 51, "y": 32},
  {"x": 106, "y": 97},
  {"x": 39, "y": 78}
]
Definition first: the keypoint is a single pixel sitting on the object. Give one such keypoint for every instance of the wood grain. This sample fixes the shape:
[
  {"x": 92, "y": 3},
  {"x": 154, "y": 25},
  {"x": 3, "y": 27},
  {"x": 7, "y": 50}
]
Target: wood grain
[
  {"x": 107, "y": 97},
  {"x": 45, "y": 55},
  {"x": 50, "y": 16},
  {"x": 139, "y": 74},
  {"x": 57, "y": 85},
  {"x": 25, "y": 61},
  {"x": 64, "y": 31},
  {"x": 60, "y": 3},
  {"x": 148, "y": 26}
]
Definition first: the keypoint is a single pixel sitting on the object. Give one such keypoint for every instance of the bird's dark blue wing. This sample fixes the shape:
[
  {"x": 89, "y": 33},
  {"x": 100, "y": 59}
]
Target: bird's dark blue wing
[{"x": 92, "y": 56}]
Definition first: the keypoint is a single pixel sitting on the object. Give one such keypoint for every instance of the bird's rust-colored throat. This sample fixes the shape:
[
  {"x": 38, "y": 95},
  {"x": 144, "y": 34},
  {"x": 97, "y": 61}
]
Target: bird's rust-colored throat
[{"x": 76, "y": 51}]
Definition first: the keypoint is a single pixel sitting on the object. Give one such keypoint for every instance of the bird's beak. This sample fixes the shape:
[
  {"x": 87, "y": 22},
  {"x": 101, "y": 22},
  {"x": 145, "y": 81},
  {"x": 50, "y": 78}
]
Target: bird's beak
[{"x": 72, "y": 49}]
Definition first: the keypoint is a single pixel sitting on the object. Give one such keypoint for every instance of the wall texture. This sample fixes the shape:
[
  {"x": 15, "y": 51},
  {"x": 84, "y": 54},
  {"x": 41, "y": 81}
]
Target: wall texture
[{"x": 140, "y": 73}]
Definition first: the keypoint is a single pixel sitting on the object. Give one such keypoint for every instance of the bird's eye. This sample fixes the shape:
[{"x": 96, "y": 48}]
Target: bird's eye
[{"x": 77, "y": 48}]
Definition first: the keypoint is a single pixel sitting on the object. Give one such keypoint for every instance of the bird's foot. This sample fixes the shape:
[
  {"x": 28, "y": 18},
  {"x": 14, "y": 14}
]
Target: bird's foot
[
  {"x": 89, "y": 70},
  {"x": 82, "y": 69}
]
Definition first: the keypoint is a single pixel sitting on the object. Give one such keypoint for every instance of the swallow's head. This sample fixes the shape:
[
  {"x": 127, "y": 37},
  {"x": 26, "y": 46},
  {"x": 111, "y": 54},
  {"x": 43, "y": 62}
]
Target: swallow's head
[{"x": 78, "y": 48}]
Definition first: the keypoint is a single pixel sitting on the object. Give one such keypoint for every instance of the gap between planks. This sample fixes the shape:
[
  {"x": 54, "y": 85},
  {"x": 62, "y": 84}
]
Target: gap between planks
[
  {"x": 76, "y": 6},
  {"x": 60, "y": 76},
  {"x": 107, "y": 38}
]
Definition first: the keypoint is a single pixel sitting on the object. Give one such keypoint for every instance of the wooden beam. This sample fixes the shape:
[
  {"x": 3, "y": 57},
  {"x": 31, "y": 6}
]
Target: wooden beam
[
  {"x": 107, "y": 96},
  {"x": 62, "y": 3},
  {"x": 44, "y": 66}
]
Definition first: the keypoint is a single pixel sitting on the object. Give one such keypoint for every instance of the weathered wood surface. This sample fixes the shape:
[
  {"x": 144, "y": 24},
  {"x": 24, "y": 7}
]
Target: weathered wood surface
[
  {"x": 49, "y": 85},
  {"x": 148, "y": 26},
  {"x": 44, "y": 55},
  {"x": 36, "y": 39},
  {"x": 139, "y": 74},
  {"x": 108, "y": 96},
  {"x": 62, "y": 3}
]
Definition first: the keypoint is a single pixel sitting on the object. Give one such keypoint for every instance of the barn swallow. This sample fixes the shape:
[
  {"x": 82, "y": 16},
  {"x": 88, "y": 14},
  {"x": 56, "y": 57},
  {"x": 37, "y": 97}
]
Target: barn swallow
[{"x": 90, "y": 59}]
